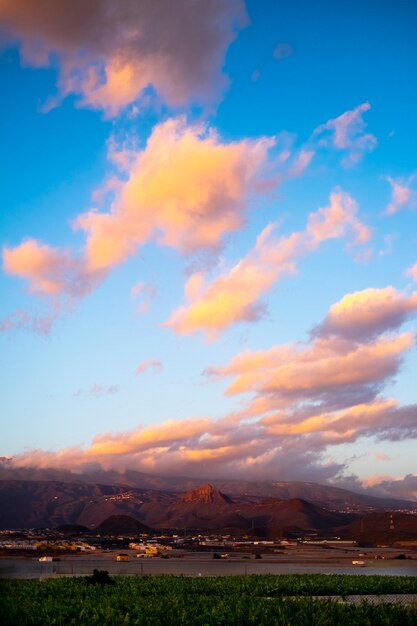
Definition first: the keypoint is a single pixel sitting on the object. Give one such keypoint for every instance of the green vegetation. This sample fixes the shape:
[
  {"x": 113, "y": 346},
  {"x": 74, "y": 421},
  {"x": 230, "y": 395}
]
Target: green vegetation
[{"x": 205, "y": 601}]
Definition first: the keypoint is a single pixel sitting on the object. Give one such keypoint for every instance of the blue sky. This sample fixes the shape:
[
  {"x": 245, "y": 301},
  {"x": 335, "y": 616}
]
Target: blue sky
[{"x": 208, "y": 239}]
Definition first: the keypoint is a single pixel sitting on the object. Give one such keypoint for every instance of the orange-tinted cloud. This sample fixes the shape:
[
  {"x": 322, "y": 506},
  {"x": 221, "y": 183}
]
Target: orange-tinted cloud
[
  {"x": 325, "y": 365},
  {"x": 346, "y": 133},
  {"x": 291, "y": 448},
  {"x": 367, "y": 313},
  {"x": 110, "y": 53},
  {"x": 234, "y": 296},
  {"x": 186, "y": 190},
  {"x": 48, "y": 270},
  {"x": 341, "y": 423}
]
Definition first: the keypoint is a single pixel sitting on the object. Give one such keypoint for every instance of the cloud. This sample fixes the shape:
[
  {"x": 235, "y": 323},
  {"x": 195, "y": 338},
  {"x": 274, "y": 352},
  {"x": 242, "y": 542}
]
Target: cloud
[
  {"x": 327, "y": 392},
  {"x": 337, "y": 220},
  {"x": 325, "y": 367},
  {"x": 110, "y": 53},
  {"x": 412, "y": 271},
  {"x": 150, "y": 364},
  {"x": 403, "y": 195},
  {"x": 146, "y": 292},
  {"x": 346, "y": 133},
  {"x": 185, "y": 190},
  {"x": 382, "y": 419},
  {"x": 23, "y": 320},
  {"x": 234, "y": 296},
  {"x": 364, "y": 314},
  {"x": 381, "y": 456},
  {"x": 225, "y": 448},
  {"x": 48, "y": 270},
  {"x": 389, "y": 486},
  {"x": 197, "y": 446}
]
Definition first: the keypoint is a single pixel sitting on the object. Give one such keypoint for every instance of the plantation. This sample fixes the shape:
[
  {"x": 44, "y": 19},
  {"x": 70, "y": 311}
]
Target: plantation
[{"x": 220, "y": 600}]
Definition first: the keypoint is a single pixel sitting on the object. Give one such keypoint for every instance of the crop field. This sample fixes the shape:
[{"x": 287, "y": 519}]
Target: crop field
[{"x": 219, "y": 600}]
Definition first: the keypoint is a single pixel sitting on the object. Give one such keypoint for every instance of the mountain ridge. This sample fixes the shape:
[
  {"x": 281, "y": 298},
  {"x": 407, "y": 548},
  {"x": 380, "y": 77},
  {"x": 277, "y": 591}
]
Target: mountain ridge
[
  {"x": 36, "y": 504},
  {"x": 324, "y": 495}
]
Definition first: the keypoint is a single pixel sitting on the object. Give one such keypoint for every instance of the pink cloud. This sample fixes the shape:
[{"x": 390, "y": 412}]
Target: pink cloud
[
  {"x": 337, "y": 220},
  {"x": 332, "y": 426},
  {"x": 185, "y": 190},
  {"x": 150, "y": 364},
  {"x": 109, "y": 57},
  {"x": 234, "y": 296},
  {"x": 391, "y": 486},
  {"x": 364, "y": 314},
  {"x": 49, "y": 271},
  {"x": 146, "y": 292},
  {"x": 346, "y": 133},
  {"x": 324, "y": 366},
  {"x": 23, "y": 320},
  {"x": 412, "y": 271},
  {"x": 403, "y": 195},
  {"x": 381, "y": 456}
]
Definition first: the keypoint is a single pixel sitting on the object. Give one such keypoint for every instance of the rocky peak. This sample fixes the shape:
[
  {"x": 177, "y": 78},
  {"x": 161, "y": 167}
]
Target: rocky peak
[{"x": 207, "y": 494}]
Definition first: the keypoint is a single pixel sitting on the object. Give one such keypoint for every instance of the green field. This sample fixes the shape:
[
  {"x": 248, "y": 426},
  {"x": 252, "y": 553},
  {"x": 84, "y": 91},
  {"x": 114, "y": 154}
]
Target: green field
[{"x": 222, "y": 600}]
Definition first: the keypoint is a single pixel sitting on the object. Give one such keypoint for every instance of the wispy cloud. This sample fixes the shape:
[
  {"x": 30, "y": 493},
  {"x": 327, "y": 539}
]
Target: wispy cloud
[
  {"x": 403, "y": 194},
  {"x": 145, "y": 293},
  {"x": 149, "y": 364},
  {"x": 346, "y": 133},
  {"x": 412, "y": 271},
  {"x": 23, "y": 320}
]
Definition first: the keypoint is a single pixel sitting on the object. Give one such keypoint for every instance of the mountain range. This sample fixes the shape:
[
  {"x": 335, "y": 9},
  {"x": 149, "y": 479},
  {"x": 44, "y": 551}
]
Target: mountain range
[
  {"x": 47, "y": 503},
  {"x": 326, "y": 496}
]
